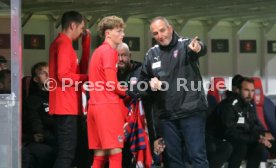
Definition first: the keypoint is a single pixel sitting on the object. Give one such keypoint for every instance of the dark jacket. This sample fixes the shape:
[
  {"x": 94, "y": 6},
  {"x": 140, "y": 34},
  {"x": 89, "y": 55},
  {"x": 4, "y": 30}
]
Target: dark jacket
[
  {"x": 213, "y": 123},
  {"x": 239, "y": 121},
  {"x": 36, "y": 117},
  {"x": 174, "y": 64},
  {"x": 126, "y": 76},
  {"x": 134, "y": 71}
]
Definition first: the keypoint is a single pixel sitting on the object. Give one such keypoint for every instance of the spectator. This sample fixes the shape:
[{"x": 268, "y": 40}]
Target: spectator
[
  {"x": 242, "y": 127},
  {"x": 39, "y": 139},
  {"x": 236, "y": 80},
  {"x": 3, "y": 63},
  {"x": 5, "y": 81}
]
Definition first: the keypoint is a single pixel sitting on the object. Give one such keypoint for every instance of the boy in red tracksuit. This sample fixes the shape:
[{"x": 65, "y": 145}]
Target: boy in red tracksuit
[
  {"x": 105, "y": 119},
  {"x": 65, "y": 73}
]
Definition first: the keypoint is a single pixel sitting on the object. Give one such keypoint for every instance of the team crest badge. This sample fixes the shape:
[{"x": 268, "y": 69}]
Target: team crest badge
[
  {"x": 133, "y": 80},
  {"x": 175, "y": 53},
  {"x": 120, "y": 139}
]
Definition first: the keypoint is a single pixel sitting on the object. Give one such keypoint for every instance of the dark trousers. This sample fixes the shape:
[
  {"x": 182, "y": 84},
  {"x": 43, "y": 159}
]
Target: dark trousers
[
  {"x": 83, "y": 156},
  {"x": 189, "y": 131},
  {"x": 253, "y": 153},
  {"x": 218, "y": 151},
  {"x": 38, "y": 155},
  {"x": 67, "y": 140},
  {"x": 272, "y": 150},
  {"x": 72, "y": 142},
  {"x": 127, "y": 156}
]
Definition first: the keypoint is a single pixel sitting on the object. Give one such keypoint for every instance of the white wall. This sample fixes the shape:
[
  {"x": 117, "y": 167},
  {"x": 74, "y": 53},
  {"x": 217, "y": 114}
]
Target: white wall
[
  {"x": 38, "y": 25},
  {"x": 136, "y": 28},
  {"x": 191, "y": 30},
  {"x": 221, "y": 64},
  {"x": 249, "y": 63},
  {"x": 270, "y": 64}
]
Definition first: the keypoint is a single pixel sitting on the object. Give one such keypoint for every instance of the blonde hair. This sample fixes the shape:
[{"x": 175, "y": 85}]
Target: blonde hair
[{"x": 110, "y": 22}]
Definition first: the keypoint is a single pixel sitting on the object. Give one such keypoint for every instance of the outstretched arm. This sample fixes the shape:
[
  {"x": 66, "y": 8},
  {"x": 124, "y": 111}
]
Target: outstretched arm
[{"x": 197, "y": 48}]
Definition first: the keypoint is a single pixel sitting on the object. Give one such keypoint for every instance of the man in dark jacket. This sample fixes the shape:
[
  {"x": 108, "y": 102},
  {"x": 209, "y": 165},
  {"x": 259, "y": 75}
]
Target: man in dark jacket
[
  {"x": 129, "y": 72},
  {"x": 39, "y": 139},
  {"x": 127, "y": 68},
  {"x": 242, "y": 128},
  {"x": 218, "y": 149},
  {"x": 171, "y": 68}
]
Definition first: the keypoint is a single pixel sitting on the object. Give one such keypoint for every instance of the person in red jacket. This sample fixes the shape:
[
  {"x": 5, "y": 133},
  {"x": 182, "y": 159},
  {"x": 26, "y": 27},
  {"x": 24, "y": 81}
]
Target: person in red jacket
[
  {"x": 66, "y": 73},
  {"x": 105, "y": 118}
]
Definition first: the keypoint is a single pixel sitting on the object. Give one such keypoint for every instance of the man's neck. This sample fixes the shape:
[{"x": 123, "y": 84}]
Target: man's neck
[
  {"x": 68, "y": 34},
  {"x": 111, "y": 43},
  {"x": 171, "y": 43}
]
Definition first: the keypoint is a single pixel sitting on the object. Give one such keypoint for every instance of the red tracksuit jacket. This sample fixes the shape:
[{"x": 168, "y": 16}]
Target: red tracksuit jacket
[{"x": 64, "y": 66}]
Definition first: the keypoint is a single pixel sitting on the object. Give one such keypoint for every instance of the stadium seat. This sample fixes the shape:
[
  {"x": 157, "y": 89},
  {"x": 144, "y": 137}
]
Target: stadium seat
[
  {"x": 259, "y": 100},
  {"x": 265, "y": 109},
  {"x": 26, "y": 80},
  {"x": 216, "y": 92},
  {"x": 270, "y": 115}
]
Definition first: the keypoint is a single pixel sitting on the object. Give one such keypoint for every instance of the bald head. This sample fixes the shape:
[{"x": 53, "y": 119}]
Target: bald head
[
  {"x": 124, "y": 56},
  {"x": 123, "y": 46}
]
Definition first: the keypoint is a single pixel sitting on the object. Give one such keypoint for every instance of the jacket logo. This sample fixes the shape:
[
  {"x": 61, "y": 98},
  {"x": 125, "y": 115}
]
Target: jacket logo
[
  {"x": 240, "y": 114},
  {"x": 175, "y": 53},
  {"x": 156, "y": 58},
  {"x": 133, "y": 80}
]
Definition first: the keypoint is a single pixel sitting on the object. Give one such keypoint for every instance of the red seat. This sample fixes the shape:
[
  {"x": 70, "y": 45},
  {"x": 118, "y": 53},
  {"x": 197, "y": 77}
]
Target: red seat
[
  {"x": 26, "y": 80},
  {"x": 216, "y": 92},
  {"x": 259, "y": 100},
  {"x": 217, "y": 88}
]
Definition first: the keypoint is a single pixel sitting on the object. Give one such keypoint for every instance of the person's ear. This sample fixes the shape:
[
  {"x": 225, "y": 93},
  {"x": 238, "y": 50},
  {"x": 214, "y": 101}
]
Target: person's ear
[
  {"x": 129, "y": 55},
  {"x": 107, "y": 33},
  {"x": 72, "y": 26},
  {"x": 170, "y": 28}
]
